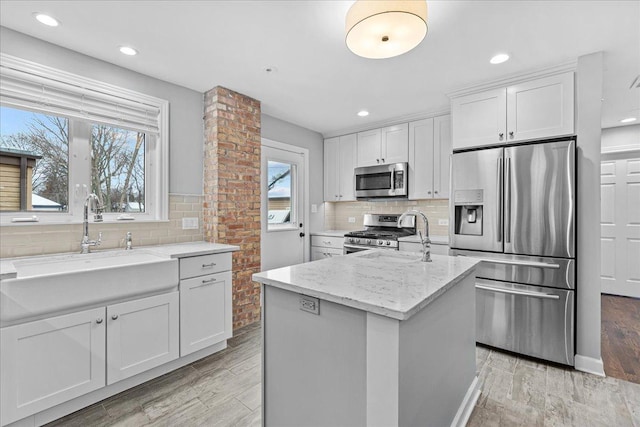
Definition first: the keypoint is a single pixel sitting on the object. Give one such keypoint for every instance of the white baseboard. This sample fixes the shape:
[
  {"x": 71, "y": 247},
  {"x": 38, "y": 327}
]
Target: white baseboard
[
  {"x": 467, "y": 405},
  {"x": 589, "y": 365}
]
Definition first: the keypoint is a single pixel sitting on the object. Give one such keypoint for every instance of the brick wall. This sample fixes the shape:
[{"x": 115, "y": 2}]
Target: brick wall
[{"x": 231, "y": 208}]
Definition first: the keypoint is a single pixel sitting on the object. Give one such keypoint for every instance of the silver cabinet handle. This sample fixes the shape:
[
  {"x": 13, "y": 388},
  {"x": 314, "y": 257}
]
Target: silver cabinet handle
[
  {"x": 114, "y": 317},
  {"x": 501, "y": 135},
  {"x": 435, "y": 192},
  {"x": 499, "y": 190},
  {"x": 209, "y": 265},
  {"x": 428, "y": 192},
  {"x": 208, "y": 281},
  {"x": 377, "y": 160},
  {"x": 519, "y": 292},
  {"x": 382, "y": 160},
  {"x": 99, "y": 320},
  {"x": 511, "y": 134}
]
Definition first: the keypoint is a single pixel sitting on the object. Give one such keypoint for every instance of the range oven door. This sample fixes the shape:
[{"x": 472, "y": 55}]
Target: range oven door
[
  {"x": 531, "y": 320},
  {"x": 350, "y": 249}
]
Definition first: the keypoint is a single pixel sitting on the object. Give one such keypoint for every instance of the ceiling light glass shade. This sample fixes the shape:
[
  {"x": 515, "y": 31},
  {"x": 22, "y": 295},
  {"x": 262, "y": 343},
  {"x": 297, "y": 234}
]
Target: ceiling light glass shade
[{"x": 379, "y": 29}]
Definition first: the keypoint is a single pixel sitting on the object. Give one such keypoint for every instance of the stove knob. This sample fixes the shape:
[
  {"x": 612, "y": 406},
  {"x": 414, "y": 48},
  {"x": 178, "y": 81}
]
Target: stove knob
[
  {"x": 368, "y": 241},
  {"x": 380, "y": 242},
  {"x": 388, "y": 242},
  {"x": 350, "y": 239}
]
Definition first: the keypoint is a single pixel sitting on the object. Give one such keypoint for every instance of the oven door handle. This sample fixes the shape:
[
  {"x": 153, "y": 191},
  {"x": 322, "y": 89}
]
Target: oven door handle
[
  {"x": 518, "y": 292},
  {"x": 362, "y": 247}
]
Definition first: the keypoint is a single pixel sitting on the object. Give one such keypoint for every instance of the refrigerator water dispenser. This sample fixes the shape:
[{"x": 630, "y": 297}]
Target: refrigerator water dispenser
[{"x": 468, "y": 212}]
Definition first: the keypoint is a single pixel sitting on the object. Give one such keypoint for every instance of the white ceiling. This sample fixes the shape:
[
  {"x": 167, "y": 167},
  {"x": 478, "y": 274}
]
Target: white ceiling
[{"x": 319, "y": 83}]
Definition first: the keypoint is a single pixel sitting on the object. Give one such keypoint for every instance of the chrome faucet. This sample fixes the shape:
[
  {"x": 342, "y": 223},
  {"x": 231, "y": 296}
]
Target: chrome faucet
[
  {"x": 128, "y": 242},
  {"x": 424, "y": 238},
  {"x": 96, "y": 206}
]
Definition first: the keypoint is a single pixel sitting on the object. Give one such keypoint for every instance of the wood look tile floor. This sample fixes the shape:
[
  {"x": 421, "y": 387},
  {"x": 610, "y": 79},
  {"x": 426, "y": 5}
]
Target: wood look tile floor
[
  {"x": 621, "y": 337},
  {"x": 224, "y": 390}
]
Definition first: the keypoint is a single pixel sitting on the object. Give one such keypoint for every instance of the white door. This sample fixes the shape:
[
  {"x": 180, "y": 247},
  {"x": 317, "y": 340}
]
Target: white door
[
  {"x": 48, "y": 362},
  {"x": 620, "y": 225},
  {"x": 283, "y": 237},
  {"x": 141, "y": 334}
]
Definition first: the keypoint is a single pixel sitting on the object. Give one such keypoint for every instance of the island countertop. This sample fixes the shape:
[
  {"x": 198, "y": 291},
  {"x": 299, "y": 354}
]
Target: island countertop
[{"x": 389, "y": 283}]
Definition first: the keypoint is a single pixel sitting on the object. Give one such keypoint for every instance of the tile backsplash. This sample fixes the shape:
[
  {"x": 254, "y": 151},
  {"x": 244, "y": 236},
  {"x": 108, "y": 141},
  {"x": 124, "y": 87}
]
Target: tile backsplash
[
  {"x": 41, "y": 239},
  {"x": 337, "y": 213}
]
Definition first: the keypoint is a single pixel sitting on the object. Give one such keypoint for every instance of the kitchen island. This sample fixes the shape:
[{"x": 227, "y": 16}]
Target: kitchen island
[{"x": 376, "y": 338}]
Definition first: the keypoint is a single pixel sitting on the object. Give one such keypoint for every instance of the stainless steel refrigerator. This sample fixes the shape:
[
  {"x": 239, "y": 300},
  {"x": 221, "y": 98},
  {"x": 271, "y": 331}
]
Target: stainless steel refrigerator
[{"x": 514, "y": 208}]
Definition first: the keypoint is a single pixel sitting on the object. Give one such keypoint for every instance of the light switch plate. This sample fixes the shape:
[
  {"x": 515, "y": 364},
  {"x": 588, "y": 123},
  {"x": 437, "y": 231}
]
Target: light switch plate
[
  {"x": 314, "y": 208},
  {"x": 190, "y": 223},
  {"x": 443, "y": 222},
  {"x": 352, "y": 219}
]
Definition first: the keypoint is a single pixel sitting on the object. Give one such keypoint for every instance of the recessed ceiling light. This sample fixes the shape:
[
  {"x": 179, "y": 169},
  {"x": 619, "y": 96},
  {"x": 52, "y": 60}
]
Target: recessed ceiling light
[
  {"x": 270, "y": 69},
  {"x": 628, "y": 120},
  {"x": 363, "y": 113},
  {"x": 46, "y": 19},
  {"x": 499, "y": 58},
  {"x": 127, "y": 50}
]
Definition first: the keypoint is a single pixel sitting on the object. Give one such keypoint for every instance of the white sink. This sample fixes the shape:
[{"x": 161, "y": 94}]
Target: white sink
[
  {"x": 392, "y": 256},
  {"x": 49, "y": 285}
]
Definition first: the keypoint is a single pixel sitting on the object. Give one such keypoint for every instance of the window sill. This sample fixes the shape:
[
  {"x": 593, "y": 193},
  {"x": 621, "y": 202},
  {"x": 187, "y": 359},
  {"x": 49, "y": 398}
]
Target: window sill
[{"x": 74, "y": 221}]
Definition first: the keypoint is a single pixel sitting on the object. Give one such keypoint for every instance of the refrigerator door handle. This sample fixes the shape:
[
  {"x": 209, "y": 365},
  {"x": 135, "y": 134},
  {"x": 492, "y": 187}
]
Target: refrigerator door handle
[
  {"x": 500, "y": 201},
  {"x": 516, "y": 262},
  {"x": 507, "y": 202},
  {"x": 519, "y": 292}
]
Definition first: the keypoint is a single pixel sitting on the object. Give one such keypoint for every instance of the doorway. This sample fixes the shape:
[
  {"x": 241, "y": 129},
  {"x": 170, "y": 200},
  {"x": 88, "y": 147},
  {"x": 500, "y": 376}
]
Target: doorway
[{"x": 284, "y": 217}]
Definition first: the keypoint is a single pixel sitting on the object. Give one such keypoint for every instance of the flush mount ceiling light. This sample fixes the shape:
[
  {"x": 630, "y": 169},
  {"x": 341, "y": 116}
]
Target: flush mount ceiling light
[
  {"x": 628, "y": 120},
  {"x": 499, "y": 58},
  {"x": 128, "y": 50},
  {"x": 46, "y": 19},
  {"x": 363, "y": 113},
  {"x": 379, "y": 29}
]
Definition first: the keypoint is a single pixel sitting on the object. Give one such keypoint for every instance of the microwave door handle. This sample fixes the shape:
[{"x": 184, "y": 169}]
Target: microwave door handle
[{"x": 393, "y": 179}]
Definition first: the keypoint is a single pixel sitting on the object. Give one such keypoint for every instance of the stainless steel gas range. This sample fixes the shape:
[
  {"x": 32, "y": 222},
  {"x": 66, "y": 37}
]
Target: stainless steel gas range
[{"x": 381, "y": 231}]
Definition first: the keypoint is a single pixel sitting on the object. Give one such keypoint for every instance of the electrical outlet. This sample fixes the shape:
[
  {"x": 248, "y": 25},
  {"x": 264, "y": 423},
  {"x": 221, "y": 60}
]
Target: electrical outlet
[
  {"x": 310, "y": 304},
  {"x": 352, "y": 219},
  {"x": 443, "y": 221},
  {"x": 190, "y": 223}
]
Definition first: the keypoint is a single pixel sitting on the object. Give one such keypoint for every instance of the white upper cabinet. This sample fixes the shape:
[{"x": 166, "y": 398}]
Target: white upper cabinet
[
  {"x": 535, "y": 109},
  {"x": 339, "y": 163},
  {"x": 429, "y": 151},
  {"x": 383, "y": 146}
]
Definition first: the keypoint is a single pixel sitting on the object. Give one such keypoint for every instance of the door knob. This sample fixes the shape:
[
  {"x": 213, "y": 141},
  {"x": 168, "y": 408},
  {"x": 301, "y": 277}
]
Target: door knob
[{"x": 302, "y": 234}]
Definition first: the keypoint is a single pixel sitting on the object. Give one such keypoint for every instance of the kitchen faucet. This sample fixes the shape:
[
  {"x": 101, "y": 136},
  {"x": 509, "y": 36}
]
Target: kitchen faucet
[
  {"x": 424, "y": 238},
  {"x": 93, "y": 200}
]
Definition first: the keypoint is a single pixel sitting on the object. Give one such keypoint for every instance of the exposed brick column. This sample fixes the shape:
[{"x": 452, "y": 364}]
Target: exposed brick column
[{"x": 231, "y": 208}]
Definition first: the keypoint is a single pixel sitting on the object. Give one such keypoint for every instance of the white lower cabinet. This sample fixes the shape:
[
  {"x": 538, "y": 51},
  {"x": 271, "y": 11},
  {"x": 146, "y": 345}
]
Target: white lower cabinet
[
  {"x": 205, "y": 311},
  {"x": 48, "y": 362},
  {"x": 326, "y": 247},
  {"x": 141, "y": 335}
]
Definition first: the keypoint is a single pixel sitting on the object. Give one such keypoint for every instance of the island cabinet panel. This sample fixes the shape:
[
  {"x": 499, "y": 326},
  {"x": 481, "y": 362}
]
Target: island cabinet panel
[
  {"x": 48, "y": 362},
  {"x": 314, "y": 365}
]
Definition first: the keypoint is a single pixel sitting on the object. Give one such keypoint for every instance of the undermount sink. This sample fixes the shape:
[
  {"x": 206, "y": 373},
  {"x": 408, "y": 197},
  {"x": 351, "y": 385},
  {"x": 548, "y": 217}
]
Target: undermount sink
[
  {"x": 392, "y": 256},
  {"x": 59, "y": 283}
]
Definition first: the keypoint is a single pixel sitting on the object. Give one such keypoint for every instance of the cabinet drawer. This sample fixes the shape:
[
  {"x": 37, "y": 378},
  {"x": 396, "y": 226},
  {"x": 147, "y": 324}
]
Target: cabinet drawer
[
  {"x": 327, "y": 242},
  {"x": 322, "y": 253},
  {"x": 204, "y": 264}
]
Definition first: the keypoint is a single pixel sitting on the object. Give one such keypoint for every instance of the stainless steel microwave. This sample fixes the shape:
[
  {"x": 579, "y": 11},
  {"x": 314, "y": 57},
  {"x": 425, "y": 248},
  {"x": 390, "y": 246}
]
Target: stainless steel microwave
[{"x": 383, "y": 181}]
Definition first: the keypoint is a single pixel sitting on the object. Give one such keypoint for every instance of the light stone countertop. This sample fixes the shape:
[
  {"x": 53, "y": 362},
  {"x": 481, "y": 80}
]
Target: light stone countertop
[
  {"x": 369, "y": 281},
  {"x": 436, "y": 240},
  {"x": 331, "y": 233},
  {"x": 177, "y": 250}
]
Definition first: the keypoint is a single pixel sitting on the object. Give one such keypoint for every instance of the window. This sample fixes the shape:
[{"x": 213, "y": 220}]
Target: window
[
  {"x": 280, "y": 206},
  {"x": 63, "y": 136}
]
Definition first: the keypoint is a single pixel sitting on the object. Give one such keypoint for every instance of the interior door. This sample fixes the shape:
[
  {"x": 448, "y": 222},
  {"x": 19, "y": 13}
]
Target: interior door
[
  {"x": 283, "y": 230},
  {"x": 620, "y": 225},
  {"x": 539, "y": 199}
]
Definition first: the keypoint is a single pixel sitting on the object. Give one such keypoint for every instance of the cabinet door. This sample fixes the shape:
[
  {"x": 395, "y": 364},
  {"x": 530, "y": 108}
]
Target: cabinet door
[
  {"x": 347, "y": 162},
  {"x": 368, "y": 148},
  {"x": 441, "y": 156},
  {"x": 141, "y": 335},
  {"x": 318, "y": 252},
  {"x": 421, "y": 159},
  {"x": 331, "y": 173},
  {"x": 205, "y": 311},
  {"x": 48, "y": 362},
  {"x": 479, "y": 119},
  {"x": 395, "y": 144},
  {"x": 541, "y": 108}
]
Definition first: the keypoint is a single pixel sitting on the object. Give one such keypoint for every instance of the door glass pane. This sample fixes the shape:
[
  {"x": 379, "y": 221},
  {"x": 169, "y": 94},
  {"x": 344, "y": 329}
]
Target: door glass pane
[
  {"x": 280, "y": 176},
  {"x": 117, "y": 168},
  {"x": 34, "y": 161}
]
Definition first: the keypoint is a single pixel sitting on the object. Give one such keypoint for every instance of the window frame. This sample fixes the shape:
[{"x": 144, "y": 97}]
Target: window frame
[{"x": 156, "y": 150}]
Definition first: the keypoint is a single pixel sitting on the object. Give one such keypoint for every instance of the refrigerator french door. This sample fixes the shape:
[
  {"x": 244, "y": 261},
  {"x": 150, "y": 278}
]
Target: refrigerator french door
[{"x": 514, "y": 208}]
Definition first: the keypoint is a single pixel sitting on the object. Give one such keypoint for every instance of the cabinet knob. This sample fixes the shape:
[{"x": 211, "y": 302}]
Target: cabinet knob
[
  {"x": 341, "y": 195},
  {"x": 436, "y": 192},
  {"x": 428, "y": 192},
  {"x": 99, "y": 320},
  {"x": 501, "y": 135},
  {"x": 114, "y": 317},
  {"x": 511, "y": 134}
]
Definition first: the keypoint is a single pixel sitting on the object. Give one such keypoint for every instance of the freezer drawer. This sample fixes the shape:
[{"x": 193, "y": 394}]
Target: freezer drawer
[{"x": 530, "y": 320}]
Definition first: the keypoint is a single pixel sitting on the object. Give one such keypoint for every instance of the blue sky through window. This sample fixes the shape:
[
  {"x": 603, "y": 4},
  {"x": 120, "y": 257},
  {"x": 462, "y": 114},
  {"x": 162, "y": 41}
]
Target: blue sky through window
[{"x": 283, "y": 186}]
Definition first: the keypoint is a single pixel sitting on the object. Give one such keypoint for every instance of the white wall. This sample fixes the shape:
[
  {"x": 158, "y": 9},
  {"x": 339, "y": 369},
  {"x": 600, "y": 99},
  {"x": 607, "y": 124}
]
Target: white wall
[
  {"x": 621, "y": 138},
  {"x": 289, "y": 133},
  {"x": 186, "y": 106}
]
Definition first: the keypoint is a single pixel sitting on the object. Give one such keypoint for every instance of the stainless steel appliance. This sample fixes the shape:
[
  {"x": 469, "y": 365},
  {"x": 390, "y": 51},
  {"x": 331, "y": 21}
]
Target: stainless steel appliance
[
  {"x": 514, "y": 208},
  {"x": 381, "y": 231},
  {"x": 383, "y": 181}
]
